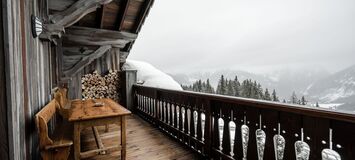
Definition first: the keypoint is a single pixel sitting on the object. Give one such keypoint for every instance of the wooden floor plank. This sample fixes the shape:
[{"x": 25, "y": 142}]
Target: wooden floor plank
[{"x": 144, "y": 142}]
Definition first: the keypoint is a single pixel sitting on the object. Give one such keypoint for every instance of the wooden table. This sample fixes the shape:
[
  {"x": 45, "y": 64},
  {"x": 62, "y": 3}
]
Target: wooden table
[{"x": 85, "y": 114}]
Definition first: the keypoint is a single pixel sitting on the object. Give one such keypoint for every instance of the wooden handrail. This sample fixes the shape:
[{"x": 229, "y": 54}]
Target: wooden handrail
[
  {"x": 262, "y": 104},
  {"x": 179, "y": 114}
]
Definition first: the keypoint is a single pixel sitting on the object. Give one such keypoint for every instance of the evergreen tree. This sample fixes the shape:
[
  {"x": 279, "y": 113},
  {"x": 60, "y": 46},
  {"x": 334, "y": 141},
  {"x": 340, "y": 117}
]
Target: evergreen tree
[
  {"x": 284, "y": 101},
  {"x": 221, "y": 88},
  {"x": 274, "y": 96},
  {"x": 245, "y": 89},
  {"x": 254, "y": 91},
  {"x": 230, "y": 88},
  {"x": 236, "y": 87},
  {"x": 317, "y": 105},
  {"x": 209, "y": 88},
  {"x": 303, "y": 101},
  {"x": 294, "y": 98},
  {"x": 259, "y": 92},
  {"x": 267, "y": 95}
]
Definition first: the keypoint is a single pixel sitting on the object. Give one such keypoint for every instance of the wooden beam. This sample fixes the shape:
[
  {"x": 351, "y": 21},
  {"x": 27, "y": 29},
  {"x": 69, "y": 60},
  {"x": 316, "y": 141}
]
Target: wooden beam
[
  {"x": 123, "y": 56},
  {"x": 55, "y": 5},
  {"x": 98, "y": 37},
  {"x": 100, "y": 16},
  {"x": 142, "y": 15},
  {"x": 122, "y": 13},
  {"x": 94, "y": 41},
  {"x": 98, "y": 140},
  {"x": 93, "y": 32},
  {"x": 69, "y": 16},
  {"x": 87, "y": 60}
]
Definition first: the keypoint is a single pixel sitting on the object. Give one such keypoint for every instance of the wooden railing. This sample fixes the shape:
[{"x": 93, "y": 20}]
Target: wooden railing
[{"x": 222, "y": 127}]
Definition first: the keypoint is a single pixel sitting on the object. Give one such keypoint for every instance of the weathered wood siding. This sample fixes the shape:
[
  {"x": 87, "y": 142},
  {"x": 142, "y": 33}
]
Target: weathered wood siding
[
  {"x": 4, "y": 150},
  {"x": 30, "y": 76}
]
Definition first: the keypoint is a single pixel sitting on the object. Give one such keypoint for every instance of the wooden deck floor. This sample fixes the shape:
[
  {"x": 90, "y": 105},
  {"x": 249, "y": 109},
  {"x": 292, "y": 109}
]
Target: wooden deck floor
[{"x": 144, "y": 142}]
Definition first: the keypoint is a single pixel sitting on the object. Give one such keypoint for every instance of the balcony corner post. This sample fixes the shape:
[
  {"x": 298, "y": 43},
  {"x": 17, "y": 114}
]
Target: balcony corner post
[
  {"x": 128, "y": 80},
  {"x": 156, "y": 107}
]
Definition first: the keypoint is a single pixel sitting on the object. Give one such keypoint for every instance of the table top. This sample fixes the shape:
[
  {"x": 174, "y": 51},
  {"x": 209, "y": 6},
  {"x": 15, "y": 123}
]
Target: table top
[{"x": 86, "y": 109}]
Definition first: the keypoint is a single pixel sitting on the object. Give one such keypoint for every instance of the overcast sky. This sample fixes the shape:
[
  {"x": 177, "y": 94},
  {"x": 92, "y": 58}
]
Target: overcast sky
[{"x": 252, "y": 35}]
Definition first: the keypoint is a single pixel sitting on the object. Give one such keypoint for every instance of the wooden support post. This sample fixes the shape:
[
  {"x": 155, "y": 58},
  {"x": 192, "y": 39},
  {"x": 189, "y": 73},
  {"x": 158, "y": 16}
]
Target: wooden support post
[{"x": 129, "y": 79}]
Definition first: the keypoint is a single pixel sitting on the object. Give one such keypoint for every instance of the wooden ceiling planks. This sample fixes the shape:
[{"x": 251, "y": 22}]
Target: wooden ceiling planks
[
  {"x": 111, "y": 15},
  {"x": 122, "y": 13}
]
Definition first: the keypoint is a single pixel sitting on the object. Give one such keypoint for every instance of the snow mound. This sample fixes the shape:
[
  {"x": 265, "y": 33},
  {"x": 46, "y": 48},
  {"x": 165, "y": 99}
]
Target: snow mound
[{"x": 151, "y": 76}]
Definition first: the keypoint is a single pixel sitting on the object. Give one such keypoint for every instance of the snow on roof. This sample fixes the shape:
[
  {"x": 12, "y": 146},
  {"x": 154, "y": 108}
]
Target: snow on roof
[{"x": 151, "y": 76}]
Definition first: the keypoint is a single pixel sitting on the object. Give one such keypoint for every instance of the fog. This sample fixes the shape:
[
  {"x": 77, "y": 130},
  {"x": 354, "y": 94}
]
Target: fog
[{"x": 256, "y": 36}]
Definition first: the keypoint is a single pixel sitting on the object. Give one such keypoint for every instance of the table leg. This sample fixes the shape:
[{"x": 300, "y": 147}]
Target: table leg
[
  {"x": 77, "y": 141},
  {"x": 123, "y": 137}
]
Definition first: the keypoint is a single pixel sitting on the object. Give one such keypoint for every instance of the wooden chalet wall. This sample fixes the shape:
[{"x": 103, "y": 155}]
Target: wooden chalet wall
[
  {"x": 4, "y": 149},
  {"x": 30, "y": 68}
]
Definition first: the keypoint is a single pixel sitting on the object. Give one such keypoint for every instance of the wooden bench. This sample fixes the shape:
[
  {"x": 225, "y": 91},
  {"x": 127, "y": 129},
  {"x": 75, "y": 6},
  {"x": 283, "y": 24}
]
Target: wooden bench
[{"x": 56, "y": 146}]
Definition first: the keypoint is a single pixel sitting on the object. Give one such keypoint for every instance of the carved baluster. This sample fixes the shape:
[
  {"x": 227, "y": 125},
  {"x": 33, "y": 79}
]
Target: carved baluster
[
  {"x": 329, "y": 153},
  {"x": 302, "y": 149},
  {"x": 181, "y": 117},
  {"x": 186, "y": 126},
  {"x": 245, "y": 138},
  {"x": 171, "y": 113},
  {"x": 279, "y": 144},
  {"x": 260, "y": 140},
  {"x": 163, "y": 110},
  {"x": 226, "y": 142},
  {"x": 192, "y": 121}
]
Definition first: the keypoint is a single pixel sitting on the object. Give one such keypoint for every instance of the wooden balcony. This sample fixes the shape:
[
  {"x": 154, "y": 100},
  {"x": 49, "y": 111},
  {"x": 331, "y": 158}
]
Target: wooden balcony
[
  {"x": 144, "y": 141},
  {"x": 221, "y": 127}
]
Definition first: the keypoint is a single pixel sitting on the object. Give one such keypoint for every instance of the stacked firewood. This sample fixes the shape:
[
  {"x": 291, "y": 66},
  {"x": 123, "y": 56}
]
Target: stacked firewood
[{"x": 96, "y": 86}]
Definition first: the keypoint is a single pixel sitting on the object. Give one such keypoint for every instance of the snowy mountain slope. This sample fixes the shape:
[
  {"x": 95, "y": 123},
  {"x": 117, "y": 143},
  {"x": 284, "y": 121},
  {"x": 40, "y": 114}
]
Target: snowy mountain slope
[{"x": 338, "y": 87}]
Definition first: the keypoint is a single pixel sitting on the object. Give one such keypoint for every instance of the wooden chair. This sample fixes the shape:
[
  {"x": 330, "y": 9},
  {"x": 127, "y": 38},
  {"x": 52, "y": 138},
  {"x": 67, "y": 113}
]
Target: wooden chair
[
  {"x": 56, "y": 146},
  {"x": 61, "y": 97}
]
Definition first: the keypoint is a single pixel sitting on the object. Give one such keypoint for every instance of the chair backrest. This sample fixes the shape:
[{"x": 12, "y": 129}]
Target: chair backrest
[
  {"x": 61, "y": 96},
  {"x": 42, "y": 118}
]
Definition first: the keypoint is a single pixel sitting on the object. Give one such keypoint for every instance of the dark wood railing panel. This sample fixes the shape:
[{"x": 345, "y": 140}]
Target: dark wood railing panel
[
  {"x": 316, "y": 130},
  {"x": 179, "y": 114},
  {"x": 343, "y": 141}
]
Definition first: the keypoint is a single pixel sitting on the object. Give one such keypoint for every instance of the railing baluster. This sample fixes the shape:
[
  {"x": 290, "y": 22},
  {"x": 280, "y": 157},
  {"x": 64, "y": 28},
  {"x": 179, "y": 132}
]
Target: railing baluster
[
  {"x": 171, "y": 113},
  {"x": 167, "y": 112},
  {"x": 175, "y": 116},
  {"x": 226, "y": 132}
]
